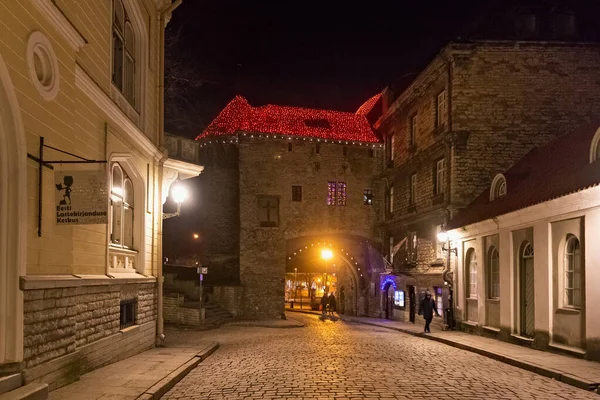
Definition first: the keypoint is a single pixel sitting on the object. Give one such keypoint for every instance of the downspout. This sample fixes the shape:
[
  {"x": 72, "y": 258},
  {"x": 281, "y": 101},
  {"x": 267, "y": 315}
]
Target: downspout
[
  {"x": 446, "y": 273},
  {"x": 160, "y": 335}
]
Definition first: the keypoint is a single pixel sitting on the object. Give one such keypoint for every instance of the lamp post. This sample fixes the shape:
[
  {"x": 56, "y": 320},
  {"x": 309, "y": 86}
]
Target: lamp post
[{"x": 444, "y": 238}]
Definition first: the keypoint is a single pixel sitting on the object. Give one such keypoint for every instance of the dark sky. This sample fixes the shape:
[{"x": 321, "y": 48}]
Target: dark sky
[{"x": 314, "y": 54}]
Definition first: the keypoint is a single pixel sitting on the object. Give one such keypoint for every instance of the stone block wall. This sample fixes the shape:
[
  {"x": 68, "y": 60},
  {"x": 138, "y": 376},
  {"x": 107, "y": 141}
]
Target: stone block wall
[
  {"x": 60, "y": 322},
  {"x": 228, "y": 297}
]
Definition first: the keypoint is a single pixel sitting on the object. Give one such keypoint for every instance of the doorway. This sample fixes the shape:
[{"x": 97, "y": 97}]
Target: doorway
[
  {"x": 388, "y": 298},
  {"x": 412, "y": 302},
  {"x": 526, "y": 291}
]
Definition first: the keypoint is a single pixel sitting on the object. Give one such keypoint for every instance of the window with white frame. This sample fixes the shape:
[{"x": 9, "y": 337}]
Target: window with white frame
[
  {"x": 440, "y": 176},
  {"x": 123, "y": 62},
  {"x": 413, "y": 188},
  {"x": 572, "y": 273},
  {"x": 391, "y": 243},
  {"x": 121, "y": 209},
  {"x": 498, "y": 188},
  {"x": 391, "y": 199},
  {"x": 412, "y": 138},
  {"x": 392, "y": 146},
  {"x": 440, "y": 109},
  {"x": 471, "y": 274},
  {"x": 494, "y": 273}
]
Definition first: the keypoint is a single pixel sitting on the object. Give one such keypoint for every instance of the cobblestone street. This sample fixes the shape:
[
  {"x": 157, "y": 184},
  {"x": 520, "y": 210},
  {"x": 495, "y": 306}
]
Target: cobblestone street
[{"x": 326, "y": 360}]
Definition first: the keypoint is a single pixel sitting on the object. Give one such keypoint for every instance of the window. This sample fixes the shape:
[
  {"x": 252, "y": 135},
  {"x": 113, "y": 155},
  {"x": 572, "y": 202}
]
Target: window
[
  {"x": 289, "y": 146},
  {"x": 345, "y": 150},
  {"x": 391, "y": 240},
  {"x": 493, "y": 273},
  {"x": 317, "y": 148},
  {"x": 268, "y": 211},
  {"x": 371, "y": 153},
  {"x": 368, "y": 197},
  {"x": 572, "y": 268},
  {"x": 413, "y": 188},
  {"x": 331, "y": 193},
  {"x": 128, "y": 313},
  {"x": 392, "y": 145},
  {"x": 296, "y": 193},
  {"x": 341, "y": 194},
  {"x": 412, "y": 246},
  {"x": 498, "y": 188},
  {"x": 440, "y": 109},
  {"x": 412, "y": 138},
  {"x": 471, "y": 274},
  {"x": 391, "y": 199},
  {"x": 440, "y": 176},
  {"x": 121, "y": 208},
  {"x": 439, "y": 300},
  {"x": 123, "y": 63}
]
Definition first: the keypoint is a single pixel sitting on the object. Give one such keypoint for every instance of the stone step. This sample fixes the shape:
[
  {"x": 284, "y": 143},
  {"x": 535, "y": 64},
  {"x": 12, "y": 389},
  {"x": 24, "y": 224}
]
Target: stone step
[
  {"x": 10, "y": 382},
  {"x": 33, "y": 391}
]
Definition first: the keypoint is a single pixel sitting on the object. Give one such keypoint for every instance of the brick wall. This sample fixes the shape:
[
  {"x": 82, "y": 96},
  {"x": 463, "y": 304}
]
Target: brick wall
[{"x": 61, "y": 322}]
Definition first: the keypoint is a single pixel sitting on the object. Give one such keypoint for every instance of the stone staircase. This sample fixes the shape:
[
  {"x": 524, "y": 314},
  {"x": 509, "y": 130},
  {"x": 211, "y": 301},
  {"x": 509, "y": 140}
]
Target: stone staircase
[
  {"x": 216, "y": 316},
  {"x": 11, "y": 388}
]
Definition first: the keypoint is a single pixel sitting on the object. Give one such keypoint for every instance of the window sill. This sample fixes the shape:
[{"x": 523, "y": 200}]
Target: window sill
[
  {"x": 491, "y": 329},
  {"x": 568, "y": 311},
  {"x": 131, "y": 328},
  {"x": 437, "y": 199},
  {"x": 522, "y": 338},
  {"x": 493, "y": 300},
  {"x": 470, "y": 323},
  {"x": 124, "y": 105}
]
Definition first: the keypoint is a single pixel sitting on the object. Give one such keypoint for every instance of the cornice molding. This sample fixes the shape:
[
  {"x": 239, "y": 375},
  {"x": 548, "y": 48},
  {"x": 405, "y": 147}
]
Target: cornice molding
[
  {"x": 132, "y": 133},
  {"x": 61, "y": 23},
  {"x": 185, "y": 169}
]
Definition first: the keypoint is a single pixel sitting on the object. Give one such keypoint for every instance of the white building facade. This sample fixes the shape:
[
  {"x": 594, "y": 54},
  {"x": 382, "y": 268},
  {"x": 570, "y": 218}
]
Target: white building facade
[
  {"x": 85, "y": 77},
  {"x": 526, "y": 268}
]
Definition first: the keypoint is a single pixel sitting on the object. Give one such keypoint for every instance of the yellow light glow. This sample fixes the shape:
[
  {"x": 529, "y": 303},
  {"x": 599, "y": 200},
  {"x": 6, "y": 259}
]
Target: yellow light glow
[
  {"x": 326, "y": 254},
  {"x": 196, "y": 236},
  {"x": 319, "y": 280}
]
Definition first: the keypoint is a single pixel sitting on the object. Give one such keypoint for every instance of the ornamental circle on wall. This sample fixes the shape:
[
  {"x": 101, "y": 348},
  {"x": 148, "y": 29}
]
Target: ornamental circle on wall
[{"x": 43, "y": 65}]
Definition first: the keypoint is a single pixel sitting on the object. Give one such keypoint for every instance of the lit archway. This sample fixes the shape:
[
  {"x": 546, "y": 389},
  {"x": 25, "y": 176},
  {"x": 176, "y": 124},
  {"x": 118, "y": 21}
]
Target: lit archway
[{"x": 13, "y": 220}]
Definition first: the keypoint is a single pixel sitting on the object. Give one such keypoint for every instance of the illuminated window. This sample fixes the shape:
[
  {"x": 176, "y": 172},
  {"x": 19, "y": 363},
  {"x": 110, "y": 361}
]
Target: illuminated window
[
  {"x": 331, "y": 193},
  {"x": 341, "y": 194},
  {"x": 368, "y": 197},
  {"x": 123, "y": 62},
  {"x": 121, "y": 209}
]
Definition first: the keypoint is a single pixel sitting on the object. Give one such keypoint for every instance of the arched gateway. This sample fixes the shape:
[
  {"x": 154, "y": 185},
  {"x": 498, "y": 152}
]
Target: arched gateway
[{"x": 13, "y": 213}]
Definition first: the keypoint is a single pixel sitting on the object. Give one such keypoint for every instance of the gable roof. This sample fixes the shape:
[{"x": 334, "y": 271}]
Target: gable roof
[
  {"x": 545, "y": 173},
  {"x": 239, "y": 115}
]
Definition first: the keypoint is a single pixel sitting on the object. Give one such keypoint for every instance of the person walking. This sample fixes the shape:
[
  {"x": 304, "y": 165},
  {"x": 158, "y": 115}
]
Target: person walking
[
  {"x": 332, "y": 303},
  {"x": 427, "y": 308},
  {"x": 324, "y": 302}
]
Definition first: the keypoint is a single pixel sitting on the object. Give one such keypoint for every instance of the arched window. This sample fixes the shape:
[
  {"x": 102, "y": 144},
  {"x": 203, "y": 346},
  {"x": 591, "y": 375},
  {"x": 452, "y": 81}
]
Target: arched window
[
  {"x": 123, "y": 62},
  {"x": 498, "y": 188},
  {"x": 493, "y": 273},
  {"x": 121, "y": 208},
  {"x": 471, "y": 274},
  {"x": 572, "y": 272}
]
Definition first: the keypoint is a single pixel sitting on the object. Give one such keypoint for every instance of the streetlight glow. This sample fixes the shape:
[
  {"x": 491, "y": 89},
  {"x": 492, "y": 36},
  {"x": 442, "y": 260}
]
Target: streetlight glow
[
  {"x": 196, "y": 236},
  {"x": 326, "y": 254},
  {"x": 179, "y": 193},
  {"x": 442, "y": 236}
]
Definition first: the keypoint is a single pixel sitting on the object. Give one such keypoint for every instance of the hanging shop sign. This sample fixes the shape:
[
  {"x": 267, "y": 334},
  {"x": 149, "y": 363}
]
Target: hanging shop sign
[{"x": 81, "y": 197}]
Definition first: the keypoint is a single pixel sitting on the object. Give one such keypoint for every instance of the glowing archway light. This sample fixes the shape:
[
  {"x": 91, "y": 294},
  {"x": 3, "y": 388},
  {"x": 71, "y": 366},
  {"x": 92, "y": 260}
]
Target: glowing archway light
[{"x": 386, "y": 281}]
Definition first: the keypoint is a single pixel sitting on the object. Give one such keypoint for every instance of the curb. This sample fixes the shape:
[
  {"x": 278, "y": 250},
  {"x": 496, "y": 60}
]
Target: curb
[
  {"x": 166, "y": 383},
  {"x": 260, "y": 325},
  {"x": 303, "y": 312},
  {"x": 561, "y": 376}
]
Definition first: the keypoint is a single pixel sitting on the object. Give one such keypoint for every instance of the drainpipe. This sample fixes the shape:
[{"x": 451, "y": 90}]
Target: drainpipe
[{"x": 160, "y": 335}]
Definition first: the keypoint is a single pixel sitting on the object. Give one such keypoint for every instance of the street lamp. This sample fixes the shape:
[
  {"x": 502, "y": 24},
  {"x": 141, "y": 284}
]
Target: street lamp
[
  {"x": 196, "y": 236},
  {"x": 326, "y": 255},
  {"x": 179, "y": 194},
  {"x": 445, "y": 240}
]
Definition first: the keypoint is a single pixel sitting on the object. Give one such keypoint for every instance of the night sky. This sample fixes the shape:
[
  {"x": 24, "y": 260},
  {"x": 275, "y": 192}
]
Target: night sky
[{"x": 314, "y": 54}]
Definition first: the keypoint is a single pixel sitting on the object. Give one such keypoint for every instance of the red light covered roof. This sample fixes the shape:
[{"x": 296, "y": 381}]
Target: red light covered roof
[
  {"x": 239, "y": 115},
  {"x": 368, "y": 105}
]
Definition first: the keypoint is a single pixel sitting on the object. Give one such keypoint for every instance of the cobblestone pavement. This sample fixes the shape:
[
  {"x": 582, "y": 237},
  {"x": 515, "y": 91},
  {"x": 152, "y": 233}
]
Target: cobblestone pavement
[{"x": 327, "y": 360}]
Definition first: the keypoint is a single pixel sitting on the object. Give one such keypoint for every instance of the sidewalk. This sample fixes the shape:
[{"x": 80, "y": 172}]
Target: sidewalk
[
  {"x": 146, "y": 376},
  {"x": 570, "y": 370}
]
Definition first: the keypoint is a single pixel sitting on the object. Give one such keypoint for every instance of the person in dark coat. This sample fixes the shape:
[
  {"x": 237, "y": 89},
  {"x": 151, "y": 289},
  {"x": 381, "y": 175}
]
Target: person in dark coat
[
  {"x": 332, "y": 303},
  {"x": 324, "y": 302},
  {"x": 427, "y": 308}
]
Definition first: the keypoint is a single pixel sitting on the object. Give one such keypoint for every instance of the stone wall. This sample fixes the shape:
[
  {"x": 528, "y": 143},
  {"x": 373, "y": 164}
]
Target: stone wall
[
  {"x": 64, "y": 325},
  {"x": 268, "y": 167},
  {"x": 228, "y": 297}
]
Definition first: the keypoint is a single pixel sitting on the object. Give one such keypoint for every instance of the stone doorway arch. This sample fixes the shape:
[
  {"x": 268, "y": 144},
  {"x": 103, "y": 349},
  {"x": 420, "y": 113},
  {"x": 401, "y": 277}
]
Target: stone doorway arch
[{"x": 13, "y": 220}]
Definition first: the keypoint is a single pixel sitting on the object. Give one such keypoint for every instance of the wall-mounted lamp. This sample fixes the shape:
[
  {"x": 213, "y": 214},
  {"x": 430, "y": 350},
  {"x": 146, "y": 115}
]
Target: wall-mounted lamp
[
  {"x": 179, "y": 193},
  {"x": 444, "y": 238}
]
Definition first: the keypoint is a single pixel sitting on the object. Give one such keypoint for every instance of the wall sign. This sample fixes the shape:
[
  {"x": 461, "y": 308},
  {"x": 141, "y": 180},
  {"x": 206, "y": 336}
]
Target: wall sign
[{"x": 81, "y": 197}]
